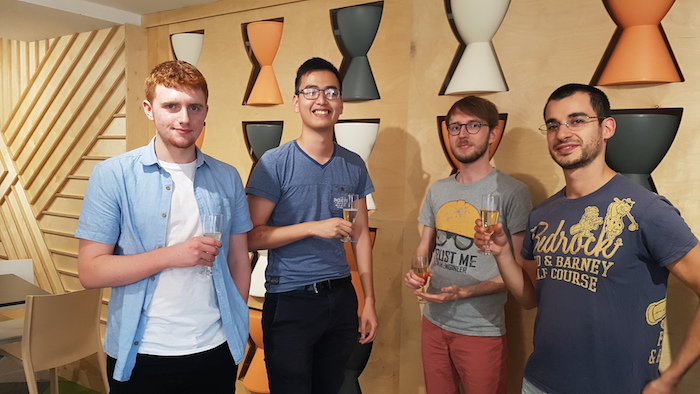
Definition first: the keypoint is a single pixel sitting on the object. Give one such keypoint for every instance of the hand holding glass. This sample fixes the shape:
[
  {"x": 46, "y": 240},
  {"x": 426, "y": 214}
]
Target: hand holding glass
[
  {"x": 212, "y": 225},
  {"x": 489, "y": 216},
  {"x": 350, "y": 212},
  {"x": 421, "y": 267}
]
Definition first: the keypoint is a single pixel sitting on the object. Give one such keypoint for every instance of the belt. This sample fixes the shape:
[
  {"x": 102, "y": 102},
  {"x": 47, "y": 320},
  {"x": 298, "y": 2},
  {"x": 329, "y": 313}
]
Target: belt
[{"x": 327, "y": 285}]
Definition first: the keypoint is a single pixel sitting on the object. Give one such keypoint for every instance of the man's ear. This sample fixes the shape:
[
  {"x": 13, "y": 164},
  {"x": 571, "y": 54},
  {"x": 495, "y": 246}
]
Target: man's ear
[
  {"x": 148, "y": 109},
  {"x": 295, "y": 103},
  {"x": 494, "y": 133},
  {"x": 609, "y": 125}
]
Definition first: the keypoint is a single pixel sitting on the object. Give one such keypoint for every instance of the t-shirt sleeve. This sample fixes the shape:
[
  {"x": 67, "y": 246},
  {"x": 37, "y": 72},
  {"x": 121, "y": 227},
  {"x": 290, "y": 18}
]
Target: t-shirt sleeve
[
  {"x": 517, "y": 209},
  {"x": 527, "y": 251},
  {"x": 665, "y": 234},
  {"x": 264, "y": 181},
  {"x": 427, "y": 214}
]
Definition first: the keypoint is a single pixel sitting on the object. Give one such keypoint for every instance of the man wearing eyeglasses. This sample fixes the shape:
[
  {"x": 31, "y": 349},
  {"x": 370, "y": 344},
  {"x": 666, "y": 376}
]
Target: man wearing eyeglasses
[
  {"x": 463, "y": 329},
  {"x": 601, "y": 250},
  {"x": 295, "y": 195}
]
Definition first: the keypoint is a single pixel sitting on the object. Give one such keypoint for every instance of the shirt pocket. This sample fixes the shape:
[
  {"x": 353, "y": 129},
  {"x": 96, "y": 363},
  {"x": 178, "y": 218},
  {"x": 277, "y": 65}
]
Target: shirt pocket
[
  {"x": 218, "y": 205},
  {"x": 338, "y": 195}
]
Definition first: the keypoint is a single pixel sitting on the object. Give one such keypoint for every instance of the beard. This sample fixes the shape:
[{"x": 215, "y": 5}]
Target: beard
[
  {"x": 589, "y": 152},
  {"x": 473, "y": 155}
]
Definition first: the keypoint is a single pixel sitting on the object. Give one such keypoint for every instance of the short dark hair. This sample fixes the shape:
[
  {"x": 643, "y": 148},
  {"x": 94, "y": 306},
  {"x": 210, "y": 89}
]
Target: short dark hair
[
  {"x": 175, "y": 74},
  {"x": 476, "y": 106},
  {"x": 599, "y": 101},
  {"x": 315, "y": 64}
]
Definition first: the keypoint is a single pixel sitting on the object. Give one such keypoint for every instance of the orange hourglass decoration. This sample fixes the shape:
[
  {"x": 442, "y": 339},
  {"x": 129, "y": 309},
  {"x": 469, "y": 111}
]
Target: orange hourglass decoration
[
  {"x": 264, "y": 38},
  {"x": 641, "y": 53},
  {"x": 445, "y": 140}
]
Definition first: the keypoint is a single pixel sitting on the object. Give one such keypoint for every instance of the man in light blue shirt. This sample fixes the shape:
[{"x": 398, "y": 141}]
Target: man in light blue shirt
[{"x": 172, "y": 326}]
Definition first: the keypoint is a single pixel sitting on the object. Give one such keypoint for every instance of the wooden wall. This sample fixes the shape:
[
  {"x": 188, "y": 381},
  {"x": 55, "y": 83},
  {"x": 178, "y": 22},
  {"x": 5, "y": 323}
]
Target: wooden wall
[{"x": 49, "y": 146}]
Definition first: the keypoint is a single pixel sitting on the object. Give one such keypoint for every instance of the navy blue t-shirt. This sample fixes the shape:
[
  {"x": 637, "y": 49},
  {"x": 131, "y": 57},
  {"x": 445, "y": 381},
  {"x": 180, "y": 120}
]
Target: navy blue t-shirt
[{"x": 601, "y": 287}]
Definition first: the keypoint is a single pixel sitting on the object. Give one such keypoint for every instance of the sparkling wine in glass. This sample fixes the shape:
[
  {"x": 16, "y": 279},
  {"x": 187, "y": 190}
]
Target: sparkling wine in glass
[
  {"x": 421, "y": 267},
  {"x": 350, "y": 212},
  {"x": 211, "y": 224},
  {"x": 489, "y": 216}
]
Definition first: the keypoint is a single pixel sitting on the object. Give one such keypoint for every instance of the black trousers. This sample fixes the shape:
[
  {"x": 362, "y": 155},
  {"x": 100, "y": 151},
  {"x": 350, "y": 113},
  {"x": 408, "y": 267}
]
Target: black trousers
[
  {"x": 308, "y": 338},
  {"x": 209, "y": 372}
]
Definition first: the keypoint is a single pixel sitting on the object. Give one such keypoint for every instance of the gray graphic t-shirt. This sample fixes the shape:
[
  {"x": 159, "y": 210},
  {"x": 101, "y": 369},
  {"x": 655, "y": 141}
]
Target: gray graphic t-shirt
[{"x": 452, "y": 208}]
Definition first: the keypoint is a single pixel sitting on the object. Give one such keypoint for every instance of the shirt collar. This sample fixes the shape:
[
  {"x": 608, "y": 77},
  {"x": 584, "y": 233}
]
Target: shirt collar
[{"x": 149, "y": 157}]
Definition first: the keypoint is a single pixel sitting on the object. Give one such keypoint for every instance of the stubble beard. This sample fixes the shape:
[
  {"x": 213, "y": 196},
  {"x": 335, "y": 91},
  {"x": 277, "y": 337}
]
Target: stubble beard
[
  {"x": 588, "y": 153},
  {"x": 476, "y": 154}
]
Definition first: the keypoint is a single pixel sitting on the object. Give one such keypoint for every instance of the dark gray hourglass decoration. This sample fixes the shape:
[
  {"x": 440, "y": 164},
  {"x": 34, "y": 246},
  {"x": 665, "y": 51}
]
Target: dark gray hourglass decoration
[
  {"x": 355, "y": 28},
  {"x": 261, "y": 137},
  {"x": 641, "y": 140}
]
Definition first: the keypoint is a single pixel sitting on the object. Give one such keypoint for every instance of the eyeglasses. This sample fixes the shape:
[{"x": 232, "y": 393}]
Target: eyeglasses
[
  {"x": 574, "y": 123},
  {"x": 472, "y": 127},
  {"x": 313, "y": 93}
]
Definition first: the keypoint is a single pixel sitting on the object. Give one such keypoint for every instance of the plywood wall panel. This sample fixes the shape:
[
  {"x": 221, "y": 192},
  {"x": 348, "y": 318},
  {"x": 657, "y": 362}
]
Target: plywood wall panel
[
  {"x": 107, "y": 147},
  {"x": 71, "y": 149},
  {"x": 53, "y": 222},
  {"x": 68, "y": 92},
  {"x": 65, "y": 205},
  {"x": 75, "y": 186}
]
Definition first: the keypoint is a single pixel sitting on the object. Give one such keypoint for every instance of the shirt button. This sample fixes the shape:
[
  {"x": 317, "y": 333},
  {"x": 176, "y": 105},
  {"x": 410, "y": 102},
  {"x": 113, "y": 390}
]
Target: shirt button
[
  {"x": 153, "y": 278},
  {"x": 143, "y": 310},
  {"x": 163, "y": 214},
  {"x": 136, "y": 343},
  {"x": 167, "y": 188}
]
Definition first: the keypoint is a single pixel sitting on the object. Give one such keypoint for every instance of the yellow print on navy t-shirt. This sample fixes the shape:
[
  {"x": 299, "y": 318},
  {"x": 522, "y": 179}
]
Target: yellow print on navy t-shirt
[{"x": 578, "y": 256}]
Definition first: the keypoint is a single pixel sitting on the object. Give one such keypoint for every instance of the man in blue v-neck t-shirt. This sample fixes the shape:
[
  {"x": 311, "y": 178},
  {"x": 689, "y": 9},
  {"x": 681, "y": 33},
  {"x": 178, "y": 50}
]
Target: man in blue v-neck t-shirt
[{"x": 296, "y": 194}]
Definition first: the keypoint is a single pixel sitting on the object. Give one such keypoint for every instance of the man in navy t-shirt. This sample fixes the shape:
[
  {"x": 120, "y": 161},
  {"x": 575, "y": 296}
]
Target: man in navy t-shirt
[{"x": 598, "y": 255}]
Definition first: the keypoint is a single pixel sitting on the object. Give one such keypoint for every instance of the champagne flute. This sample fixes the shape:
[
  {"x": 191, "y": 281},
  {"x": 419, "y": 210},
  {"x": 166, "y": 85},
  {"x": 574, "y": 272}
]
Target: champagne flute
[
  {"x": 211, "y": 224},
  {"x": 350, "y": 212},
  {"x": 489, "y": 216},
  {"x": 421, "y": 267}
]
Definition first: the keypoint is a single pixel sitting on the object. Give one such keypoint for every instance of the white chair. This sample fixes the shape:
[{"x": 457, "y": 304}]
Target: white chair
[{"x": 59, "y": 329}]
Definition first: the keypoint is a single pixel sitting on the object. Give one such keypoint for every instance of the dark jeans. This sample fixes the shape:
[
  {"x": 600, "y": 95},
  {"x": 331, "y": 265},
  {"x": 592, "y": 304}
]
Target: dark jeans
[
  {"x": 209, "y": 372},
  {"x": 308, "y": 338}
]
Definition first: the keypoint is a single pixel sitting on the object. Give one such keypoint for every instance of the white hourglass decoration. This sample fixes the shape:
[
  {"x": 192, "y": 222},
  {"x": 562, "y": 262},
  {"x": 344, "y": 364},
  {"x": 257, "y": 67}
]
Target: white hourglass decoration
[
  {"x": 478, "y": 70},
  {"x": 187, "y": 46},
  {"x": 358, "y": 137}
]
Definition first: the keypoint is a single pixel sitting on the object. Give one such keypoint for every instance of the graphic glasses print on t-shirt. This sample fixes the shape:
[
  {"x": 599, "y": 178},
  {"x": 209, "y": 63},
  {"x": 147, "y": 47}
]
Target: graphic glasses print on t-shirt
[{"x": 454, "y": 238}]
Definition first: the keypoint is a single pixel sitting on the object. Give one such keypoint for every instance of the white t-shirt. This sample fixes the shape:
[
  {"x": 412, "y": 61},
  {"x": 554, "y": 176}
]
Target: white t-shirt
[{"x": 183, "y": 316}]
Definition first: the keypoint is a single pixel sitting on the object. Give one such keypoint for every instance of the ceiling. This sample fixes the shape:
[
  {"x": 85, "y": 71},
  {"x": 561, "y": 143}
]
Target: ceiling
[{"x": 32, "y": 20}]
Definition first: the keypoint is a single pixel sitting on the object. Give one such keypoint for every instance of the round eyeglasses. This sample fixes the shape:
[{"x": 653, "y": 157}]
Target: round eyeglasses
[
  {"x": 471, "y": 127},
  {"x": 313, "y": 93},
  {"x": 574, "y": 123}
]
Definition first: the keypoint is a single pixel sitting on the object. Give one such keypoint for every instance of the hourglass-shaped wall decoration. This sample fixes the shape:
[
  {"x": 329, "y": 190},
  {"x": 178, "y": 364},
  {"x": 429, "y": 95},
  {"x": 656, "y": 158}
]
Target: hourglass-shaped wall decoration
[
  {"x": 445, "y": 140},
  {"x": 261, "y": 137},
  {"x": 355, "y": 28},
  {"x": 359, "y": 137},
  {"x": 641, "y": 140},
  {"x": 475, "y": 23},
  {"x": 263, "y": 39},
  {"x": 639, "y": 51},
  {"x": 187, "y": 46}
]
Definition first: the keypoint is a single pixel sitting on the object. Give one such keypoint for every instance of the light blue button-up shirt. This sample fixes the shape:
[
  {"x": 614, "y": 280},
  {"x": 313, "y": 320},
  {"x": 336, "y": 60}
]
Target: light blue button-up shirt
[{"x": 127, "y": 204}]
